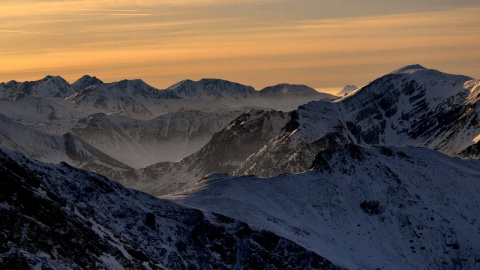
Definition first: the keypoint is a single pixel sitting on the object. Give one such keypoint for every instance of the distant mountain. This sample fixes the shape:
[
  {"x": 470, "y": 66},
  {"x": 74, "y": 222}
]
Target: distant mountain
[
  {"x": 287, "y": 89},
  {"x": 169, "y": 137},
  {"x": 85, "y": 81},
  {"x": 410, "y": 106},
  {"x": 225, "y": 151},
  {"x": 347, "y": 90},
  {"x": 287, "y": 97},
  {"x": 48, "y": 87},
  {"x": 138, "y": 88},
  {"x": 132, "y": 98},
  {"x": 211, "y": 89},
  {"x": 101, "y": 98},
  {"x": 58, "y": 217},
  {"x": 378, "y": 208},
  {"x": 52, "y": 115},
  {"x": 55, "y": 149}
]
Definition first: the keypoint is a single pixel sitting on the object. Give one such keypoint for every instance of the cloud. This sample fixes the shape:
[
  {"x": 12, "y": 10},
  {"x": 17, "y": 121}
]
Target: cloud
[
  {"x": 25, "y": 32},
  {"x": 322, "y": 52}
]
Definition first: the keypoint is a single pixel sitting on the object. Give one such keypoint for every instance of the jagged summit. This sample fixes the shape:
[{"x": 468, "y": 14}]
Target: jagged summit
[
  {"x": 48, "y": 87},
  {"x": 139, "y": 88},
  {"x": 86, "y": 81}
]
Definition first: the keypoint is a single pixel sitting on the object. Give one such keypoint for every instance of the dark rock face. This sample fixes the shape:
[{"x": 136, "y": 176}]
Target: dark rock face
[
  {"x": 34, "y": 224},
  {"x": 471, "y": 151},
  {"x": 58, "y": 217},
  {"x": 373, "y": 208}
]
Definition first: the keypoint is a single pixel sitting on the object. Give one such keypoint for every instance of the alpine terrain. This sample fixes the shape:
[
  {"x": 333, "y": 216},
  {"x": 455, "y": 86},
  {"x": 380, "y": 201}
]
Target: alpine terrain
[{"x": 213, "y": 174}]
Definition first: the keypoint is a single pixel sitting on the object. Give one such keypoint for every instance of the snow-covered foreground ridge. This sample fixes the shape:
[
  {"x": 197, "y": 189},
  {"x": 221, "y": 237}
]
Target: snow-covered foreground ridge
[
  {"x": 378, "y": 208},
  {"x": 59, "y": 217}
]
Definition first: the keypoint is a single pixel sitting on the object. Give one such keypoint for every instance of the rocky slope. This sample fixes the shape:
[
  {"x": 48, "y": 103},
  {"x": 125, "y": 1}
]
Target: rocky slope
[
  {"x": 53, "y": 115},
  {"x": 55, "y": 149},
  {"x": 226, "y": 150},
  {"x": 378, "y": 208},
  {"x": 85, "y": 81},
  {"x": 58, "y": 217}
]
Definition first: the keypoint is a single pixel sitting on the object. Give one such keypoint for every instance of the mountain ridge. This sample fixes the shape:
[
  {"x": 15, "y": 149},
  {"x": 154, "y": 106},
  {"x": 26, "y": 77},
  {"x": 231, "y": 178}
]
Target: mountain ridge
[
  {"x": 56, "y": 216},
  {"x": 419, "y": 107},
  {"x": 362, "y": 208}
]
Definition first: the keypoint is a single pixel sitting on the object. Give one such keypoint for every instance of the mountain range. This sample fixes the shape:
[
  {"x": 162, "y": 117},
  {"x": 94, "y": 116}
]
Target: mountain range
[
  {"x": 385, "y": 177},
  {"x": 411, "y": 106}
]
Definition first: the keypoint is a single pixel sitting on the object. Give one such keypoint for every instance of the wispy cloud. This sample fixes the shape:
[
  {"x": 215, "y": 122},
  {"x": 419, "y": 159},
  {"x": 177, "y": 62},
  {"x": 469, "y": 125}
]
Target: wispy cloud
[
  {"x": 115, "y": 41},
  {"x": 25, "y": 32},
  {"x": 108, "y": 10}
]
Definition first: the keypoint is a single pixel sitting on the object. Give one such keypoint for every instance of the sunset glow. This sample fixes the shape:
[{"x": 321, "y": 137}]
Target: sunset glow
[{"x": 259, "y": 43}]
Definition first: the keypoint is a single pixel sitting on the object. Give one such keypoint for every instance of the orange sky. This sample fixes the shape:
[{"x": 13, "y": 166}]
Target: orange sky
[{"x": 258, "y": 43}]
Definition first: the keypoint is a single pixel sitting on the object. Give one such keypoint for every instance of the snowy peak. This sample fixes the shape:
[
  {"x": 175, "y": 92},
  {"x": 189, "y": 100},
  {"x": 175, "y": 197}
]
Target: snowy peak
[
  {"x": 48, "y": 87},
  {"x": 424, "y": 108},
  {"x": 211, "y": 89},
  {"x": 85, "y": 82},
  {"x": 139, "y": 88},
  {"x": 53, "y": 86},
  {"x": 416, "y": 82},
  {"x": 111, "y": 100},
  {"x": 346, "y": 90}
]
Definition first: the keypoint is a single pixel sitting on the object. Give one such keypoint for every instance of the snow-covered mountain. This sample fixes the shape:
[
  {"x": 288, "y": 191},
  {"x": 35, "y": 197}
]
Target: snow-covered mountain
[
  {"x": 377, "y": 208},
  {"x": 53, "y": 115},
  {"x": 55, "y": 149},
  {"x": 410, "y": 106},
  {"x": 169, "y": 137},
  {"x": 138, "y": 88},
  {"x": 58, "y": 217},
  {"x": 48, "y": 87},
  {"x": 85, "y": 81},
  {"x": 282, "y": 97},
  {"x": 347, "y": 90},
  {"x": 132, "y": 98},
  {"x": 226, "y": 150},
  {"x": 211, "y": 89},
  {"x": 100, "y": 98}
]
